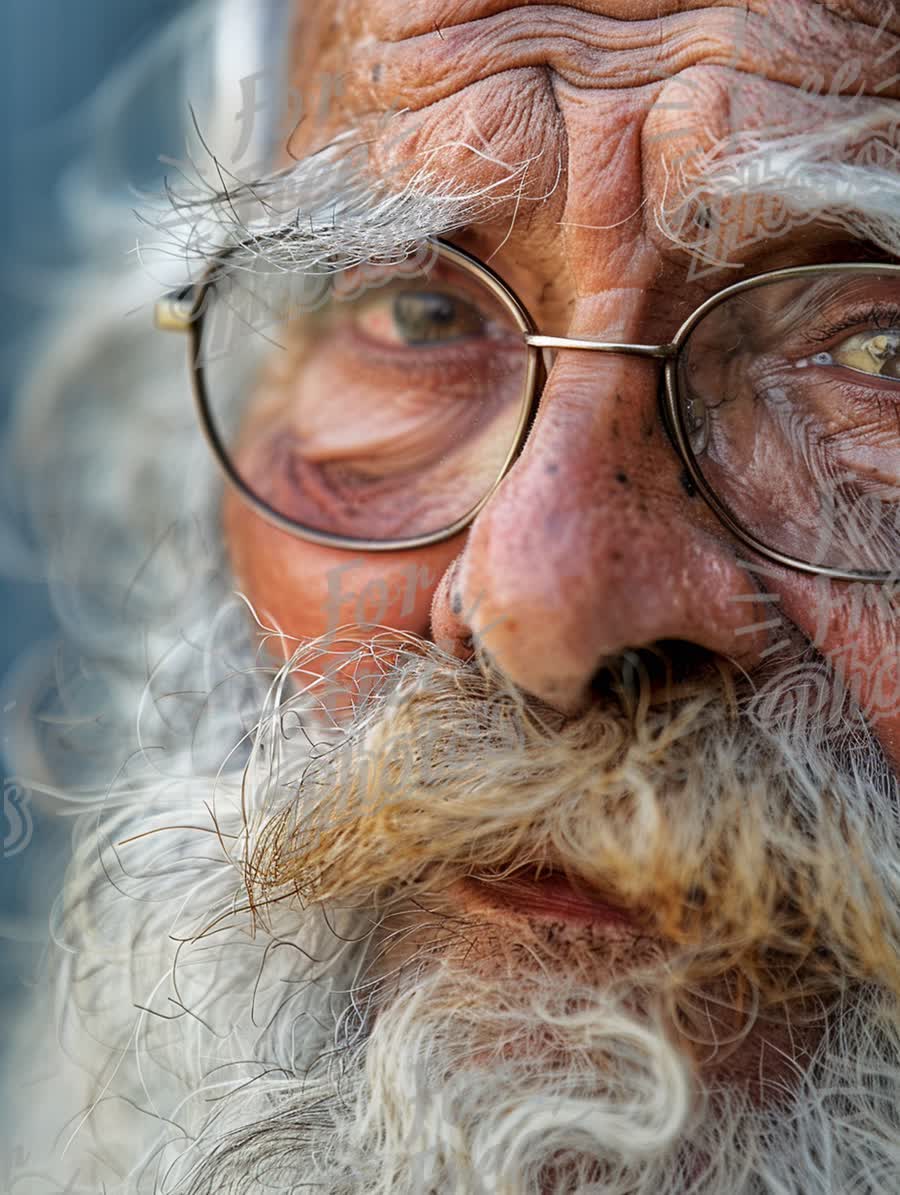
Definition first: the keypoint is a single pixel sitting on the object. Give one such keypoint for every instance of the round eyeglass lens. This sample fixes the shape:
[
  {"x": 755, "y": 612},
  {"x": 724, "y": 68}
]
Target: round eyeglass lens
[
  {"x": 378, "y": 402},
  {"x": 789, "y": 398}
]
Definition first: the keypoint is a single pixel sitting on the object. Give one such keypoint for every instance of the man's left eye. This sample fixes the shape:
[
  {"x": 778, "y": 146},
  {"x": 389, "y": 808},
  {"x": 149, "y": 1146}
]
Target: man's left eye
[
  {"x": 415, "y": 317},
  {"x": 872, "y": 352}
]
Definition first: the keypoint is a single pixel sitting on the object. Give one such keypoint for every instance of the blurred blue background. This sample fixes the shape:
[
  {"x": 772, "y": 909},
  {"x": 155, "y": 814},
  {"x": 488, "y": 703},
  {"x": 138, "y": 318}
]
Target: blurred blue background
[{"x": 53, "y": 54}]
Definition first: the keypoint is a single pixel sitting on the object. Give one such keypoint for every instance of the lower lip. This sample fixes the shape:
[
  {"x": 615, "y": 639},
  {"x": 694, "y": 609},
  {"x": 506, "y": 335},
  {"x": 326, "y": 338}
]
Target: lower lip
[{"x": 552, "y": 897}]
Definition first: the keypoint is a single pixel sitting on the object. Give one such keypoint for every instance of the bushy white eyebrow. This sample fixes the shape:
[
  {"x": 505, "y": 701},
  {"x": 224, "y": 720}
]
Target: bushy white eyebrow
[
  {"x": 327, "y": 212},
  {"x": 845, "y": 174},
  {"x": 330, "y": 211}
]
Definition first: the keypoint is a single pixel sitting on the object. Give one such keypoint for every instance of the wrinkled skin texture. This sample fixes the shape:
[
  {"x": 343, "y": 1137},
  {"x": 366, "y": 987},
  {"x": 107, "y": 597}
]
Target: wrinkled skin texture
[{"x": 591, "y": 545}]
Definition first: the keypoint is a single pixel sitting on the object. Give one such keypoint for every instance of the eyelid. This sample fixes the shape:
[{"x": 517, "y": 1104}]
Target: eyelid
[{"x": 863, "y": 319}]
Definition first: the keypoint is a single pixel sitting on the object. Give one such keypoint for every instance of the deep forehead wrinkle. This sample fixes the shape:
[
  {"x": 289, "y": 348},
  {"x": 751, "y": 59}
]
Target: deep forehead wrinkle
[
  {"x": 592, "y": 51},
  {"x": 409, "y": 18}
]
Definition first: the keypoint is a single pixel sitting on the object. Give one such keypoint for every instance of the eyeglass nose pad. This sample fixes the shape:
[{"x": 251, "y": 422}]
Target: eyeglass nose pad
[
  {"x": 537, "y": 393},
  {"x": 540, "y": 380},
  {"x": 665, "y": 414}
]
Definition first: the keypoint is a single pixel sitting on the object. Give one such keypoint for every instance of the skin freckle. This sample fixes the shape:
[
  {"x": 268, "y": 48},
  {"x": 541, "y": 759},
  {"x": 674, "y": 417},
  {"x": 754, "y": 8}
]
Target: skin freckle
[{"x": 687, "y": 483}]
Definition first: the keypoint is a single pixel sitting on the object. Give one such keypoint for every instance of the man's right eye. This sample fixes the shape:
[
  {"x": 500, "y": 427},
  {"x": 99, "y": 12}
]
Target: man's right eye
[
  {"x": 873, "y": 352},
  {"x": 418, "y": 317}
]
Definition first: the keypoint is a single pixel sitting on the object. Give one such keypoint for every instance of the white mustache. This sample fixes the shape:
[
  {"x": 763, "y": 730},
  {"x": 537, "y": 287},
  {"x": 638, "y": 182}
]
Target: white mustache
[{"x": 728, "y": 814}]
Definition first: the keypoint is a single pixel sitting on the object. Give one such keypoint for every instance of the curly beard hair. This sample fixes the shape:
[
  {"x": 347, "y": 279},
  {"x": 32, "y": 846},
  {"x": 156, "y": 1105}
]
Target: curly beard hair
[{"x": 263, "y": 984}]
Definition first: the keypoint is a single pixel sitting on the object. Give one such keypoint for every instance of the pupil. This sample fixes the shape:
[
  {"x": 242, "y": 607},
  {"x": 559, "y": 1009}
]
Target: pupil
[
  {"x": 424, "y": 316},
  {"x": 440, "y": 309}
]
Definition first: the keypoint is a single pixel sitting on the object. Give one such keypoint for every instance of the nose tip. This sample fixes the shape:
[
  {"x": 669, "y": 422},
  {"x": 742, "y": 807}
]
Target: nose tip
[
  {"x": 591, "y": 547},
  {"x": 566, "y": 649}
]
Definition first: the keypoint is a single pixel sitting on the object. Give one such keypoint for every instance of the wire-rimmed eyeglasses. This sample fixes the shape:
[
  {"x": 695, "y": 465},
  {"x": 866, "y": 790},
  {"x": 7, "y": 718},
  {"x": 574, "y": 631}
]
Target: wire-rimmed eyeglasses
[{"x": 379, "y": 407}]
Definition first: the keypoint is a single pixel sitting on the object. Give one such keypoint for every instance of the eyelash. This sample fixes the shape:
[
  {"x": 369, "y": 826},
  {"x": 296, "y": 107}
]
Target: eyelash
[{"x": 870, "y": 315}]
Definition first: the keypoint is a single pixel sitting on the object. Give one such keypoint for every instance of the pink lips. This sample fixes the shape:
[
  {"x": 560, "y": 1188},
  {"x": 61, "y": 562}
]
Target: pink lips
[{"x": 552, "y": 897}]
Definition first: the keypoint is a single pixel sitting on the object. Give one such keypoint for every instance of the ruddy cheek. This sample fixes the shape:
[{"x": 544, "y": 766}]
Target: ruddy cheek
[
  {"x": 856, "y": 628},
  {"x": 307, "y": 592}
]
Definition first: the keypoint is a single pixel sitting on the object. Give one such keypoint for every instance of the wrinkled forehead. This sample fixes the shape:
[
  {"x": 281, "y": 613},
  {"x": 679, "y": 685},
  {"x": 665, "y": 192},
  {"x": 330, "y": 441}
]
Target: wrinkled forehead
[
  {"x": 667, "y": 91},
  {"x": 411, "y": 54}
]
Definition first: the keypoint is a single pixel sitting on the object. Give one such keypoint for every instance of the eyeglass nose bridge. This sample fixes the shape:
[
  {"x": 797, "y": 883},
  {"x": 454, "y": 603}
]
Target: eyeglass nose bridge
[
  {"x": 659, "y": 352},
  {"x": 663, "y": 352}
]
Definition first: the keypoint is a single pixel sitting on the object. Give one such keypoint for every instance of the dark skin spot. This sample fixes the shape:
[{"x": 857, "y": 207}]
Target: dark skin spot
[
  {"x": 687, "y": 483},
  {"x": 614, "y": 429},
  {"x": 376, "y": 72},
  {"x": 551, "y": 468},
  {"x": 456, "y": 603},
  {"x": 622, "y": 478}
]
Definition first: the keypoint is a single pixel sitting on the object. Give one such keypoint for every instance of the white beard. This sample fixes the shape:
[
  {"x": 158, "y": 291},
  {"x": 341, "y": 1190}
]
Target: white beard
[{"x": 210, "y": 1047}]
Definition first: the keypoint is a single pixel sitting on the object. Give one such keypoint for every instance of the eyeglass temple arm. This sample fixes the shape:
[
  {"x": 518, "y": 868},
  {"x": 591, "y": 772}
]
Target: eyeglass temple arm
[{"x": 664, "y": 351}]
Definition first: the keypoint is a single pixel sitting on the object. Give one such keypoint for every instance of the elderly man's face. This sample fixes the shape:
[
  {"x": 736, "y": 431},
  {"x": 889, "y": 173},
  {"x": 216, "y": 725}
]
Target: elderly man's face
[
  {"x": 720, "y": 868},
  {"x": 594, "y": 543}
]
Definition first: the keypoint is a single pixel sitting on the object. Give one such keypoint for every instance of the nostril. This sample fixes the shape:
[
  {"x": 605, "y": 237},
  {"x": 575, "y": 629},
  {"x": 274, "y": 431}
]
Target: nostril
[{"x": 663, "y": 669}]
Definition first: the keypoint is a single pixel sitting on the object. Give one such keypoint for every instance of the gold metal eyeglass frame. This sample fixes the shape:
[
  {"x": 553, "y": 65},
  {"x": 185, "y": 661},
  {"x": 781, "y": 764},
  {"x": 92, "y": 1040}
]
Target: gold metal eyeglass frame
[{"x": 183, "y": 311}]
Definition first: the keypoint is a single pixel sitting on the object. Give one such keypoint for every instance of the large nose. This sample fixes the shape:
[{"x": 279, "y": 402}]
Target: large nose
[{"x": 593, "y": 544}]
